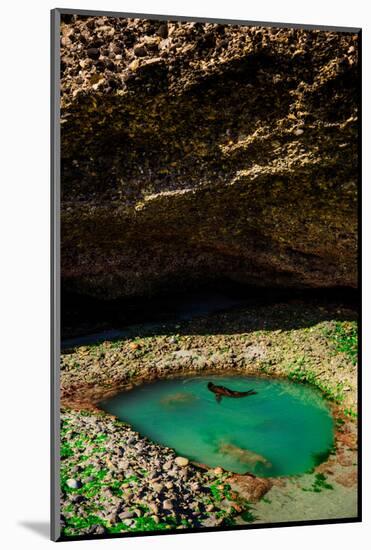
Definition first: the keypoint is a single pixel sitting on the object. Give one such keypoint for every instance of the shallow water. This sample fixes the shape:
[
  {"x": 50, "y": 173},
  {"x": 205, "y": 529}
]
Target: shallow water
[{"x": 285, "y": 429}]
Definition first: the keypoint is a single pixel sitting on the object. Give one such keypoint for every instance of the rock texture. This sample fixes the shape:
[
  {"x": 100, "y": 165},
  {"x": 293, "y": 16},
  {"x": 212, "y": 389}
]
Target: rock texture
[
  {"x": 195, "y": 151},
  {"x": 124, "y": 483},
  {"x": 263, "y": 341}
]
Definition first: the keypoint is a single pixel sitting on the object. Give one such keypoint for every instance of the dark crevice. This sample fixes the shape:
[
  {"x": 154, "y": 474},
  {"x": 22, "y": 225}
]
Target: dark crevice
[{"x": 83, "y": 315}]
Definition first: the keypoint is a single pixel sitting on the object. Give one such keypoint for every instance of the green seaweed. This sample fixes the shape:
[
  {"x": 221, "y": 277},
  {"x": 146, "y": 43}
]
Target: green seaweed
[
  {"x": 318, "y": 484},
  {"x": 248, "y": 516},
  {"x": 344, "y": 336}
]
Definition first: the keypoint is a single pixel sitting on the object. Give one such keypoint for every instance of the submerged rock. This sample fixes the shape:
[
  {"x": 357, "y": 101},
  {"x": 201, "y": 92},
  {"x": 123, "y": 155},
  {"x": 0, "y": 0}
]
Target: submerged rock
[{"x": 207, "y": 150}]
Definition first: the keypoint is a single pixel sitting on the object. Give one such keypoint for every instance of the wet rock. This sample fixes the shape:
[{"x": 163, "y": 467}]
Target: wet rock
[{"x": 181, "y": 461}]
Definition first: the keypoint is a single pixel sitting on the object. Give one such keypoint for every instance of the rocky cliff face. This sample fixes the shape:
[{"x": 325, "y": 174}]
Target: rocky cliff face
[{"x": 194, "y": 151}]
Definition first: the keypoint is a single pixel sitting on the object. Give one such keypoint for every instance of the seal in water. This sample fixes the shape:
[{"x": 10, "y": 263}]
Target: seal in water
[{"x": 222, "y": 391}]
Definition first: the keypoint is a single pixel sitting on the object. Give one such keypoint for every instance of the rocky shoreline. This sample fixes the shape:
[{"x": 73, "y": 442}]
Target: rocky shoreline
[{"x": 116, "y": 480}]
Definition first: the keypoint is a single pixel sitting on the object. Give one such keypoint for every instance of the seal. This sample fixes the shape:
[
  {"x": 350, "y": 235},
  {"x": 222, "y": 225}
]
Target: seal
[{"x": 222, "y": 391}]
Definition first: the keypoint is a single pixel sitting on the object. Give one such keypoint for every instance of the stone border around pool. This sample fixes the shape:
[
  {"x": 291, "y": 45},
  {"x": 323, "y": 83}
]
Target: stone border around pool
[{"x": 344, "y": 437}]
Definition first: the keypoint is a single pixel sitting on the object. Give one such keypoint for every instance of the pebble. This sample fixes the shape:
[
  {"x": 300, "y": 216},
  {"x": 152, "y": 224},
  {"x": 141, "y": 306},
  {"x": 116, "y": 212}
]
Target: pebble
[
  {"x": 140, "y": 51},
  {"x": 134, "y": 65},
  {"x": 153, "y": 507},
  {"x": 93, "y": 53},
  {"x": 299, "y": 132},
  {"x": 167, "y": 505},
  {"x": 163, "y": 30},
  {"x": 181, "y": 461},
  {"x": 73, "y": 483},
  {"x": 210, "y": 521},
  {"x": 126, "y": 515},
  {"x": 117, "y": 49}
]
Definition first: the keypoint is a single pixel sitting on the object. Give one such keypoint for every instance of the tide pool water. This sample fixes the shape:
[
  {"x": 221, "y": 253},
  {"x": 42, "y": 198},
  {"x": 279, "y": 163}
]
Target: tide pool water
[{"x": 285, "y": 429}]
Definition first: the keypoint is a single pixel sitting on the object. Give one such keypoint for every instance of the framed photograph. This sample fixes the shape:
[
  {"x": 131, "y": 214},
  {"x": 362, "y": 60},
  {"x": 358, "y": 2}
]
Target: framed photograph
[{"x": 205, "y": 281}]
